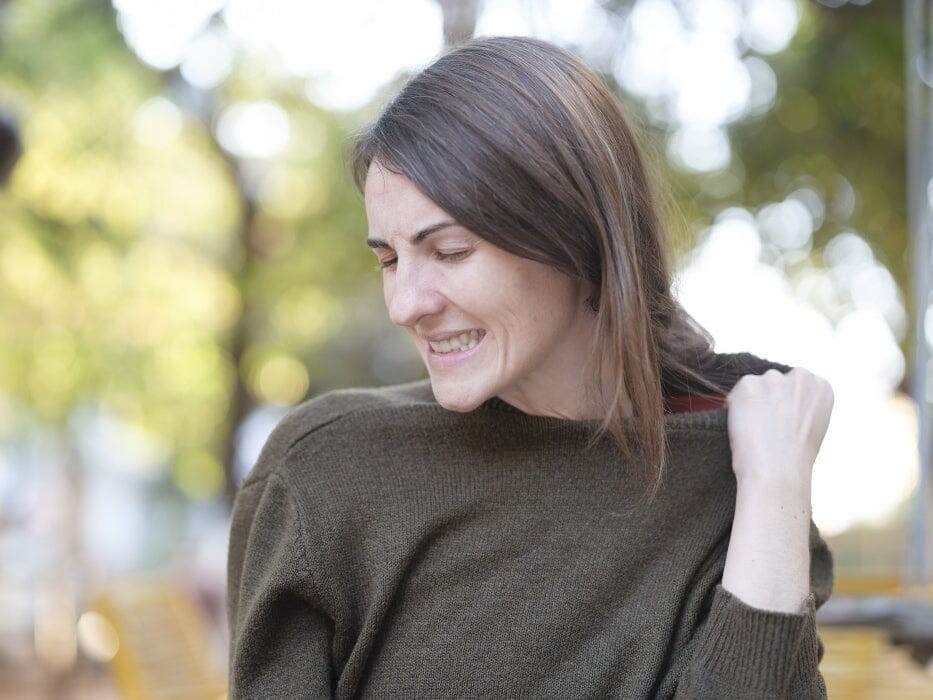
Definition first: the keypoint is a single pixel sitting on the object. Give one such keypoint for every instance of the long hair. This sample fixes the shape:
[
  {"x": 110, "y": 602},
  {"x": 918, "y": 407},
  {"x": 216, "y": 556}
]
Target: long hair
[{"x": 521, "y": 143}]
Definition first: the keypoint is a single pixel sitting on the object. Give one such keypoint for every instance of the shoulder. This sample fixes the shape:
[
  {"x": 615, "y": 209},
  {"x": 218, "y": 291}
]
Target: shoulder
[
  {"x": 698, "y": 373},
  {"x": 335, "y": 408},
  {"x": 325, "y": 409},
  {"x": 726, "y": 369}
]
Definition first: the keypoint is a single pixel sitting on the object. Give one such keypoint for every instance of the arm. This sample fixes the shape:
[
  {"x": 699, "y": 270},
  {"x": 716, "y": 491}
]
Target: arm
[
  {"x": 280, "y": 639},
  {"x": 776, "y": 426},
  {"x": 759, "y": 638},
  {"x": 741, "y": 651}
]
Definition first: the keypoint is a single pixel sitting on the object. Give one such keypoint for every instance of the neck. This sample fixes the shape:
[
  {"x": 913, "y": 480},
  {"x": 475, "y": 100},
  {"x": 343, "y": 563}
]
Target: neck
[{"x": 566, "y": 387}]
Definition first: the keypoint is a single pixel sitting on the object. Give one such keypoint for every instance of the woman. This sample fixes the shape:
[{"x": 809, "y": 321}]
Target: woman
[{"x": 585, "y": 500}]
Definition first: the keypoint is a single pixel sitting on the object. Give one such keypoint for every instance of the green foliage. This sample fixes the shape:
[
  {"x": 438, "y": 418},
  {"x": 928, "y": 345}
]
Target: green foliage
[
  {"x": 840, "y": 111},
  {"x": 837, "y": 127},
  {"x": 133, "y": 276}
]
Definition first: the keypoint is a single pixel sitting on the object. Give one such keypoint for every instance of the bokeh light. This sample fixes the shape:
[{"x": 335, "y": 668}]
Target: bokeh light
[
  {"x": 197, "y": 473},
  {"x": 157, "y": 123},
  {"x": 97, "y": 638},
  {"x": 257, "y": 129},
  {"x": 208, "y": 59}
]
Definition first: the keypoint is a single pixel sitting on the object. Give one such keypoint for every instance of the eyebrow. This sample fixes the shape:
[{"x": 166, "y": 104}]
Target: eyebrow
[{"x": 417, "y": 238}]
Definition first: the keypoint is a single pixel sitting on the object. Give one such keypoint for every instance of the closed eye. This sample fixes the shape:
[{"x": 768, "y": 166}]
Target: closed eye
[
  {"x": 445, "y": 257},
  {"x": 459, "y": 255}
]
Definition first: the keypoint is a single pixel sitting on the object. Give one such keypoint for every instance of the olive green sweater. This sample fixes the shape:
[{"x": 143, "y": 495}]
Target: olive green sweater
[{"x": 385, "y": 547}]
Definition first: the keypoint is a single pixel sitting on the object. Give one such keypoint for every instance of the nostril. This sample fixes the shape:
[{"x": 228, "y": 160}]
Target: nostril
[{"x": 406, "y": 307}]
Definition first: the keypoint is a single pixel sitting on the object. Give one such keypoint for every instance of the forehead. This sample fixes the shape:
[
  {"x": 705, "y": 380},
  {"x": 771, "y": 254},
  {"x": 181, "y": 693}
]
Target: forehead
[{"x": 394, "y": 204}]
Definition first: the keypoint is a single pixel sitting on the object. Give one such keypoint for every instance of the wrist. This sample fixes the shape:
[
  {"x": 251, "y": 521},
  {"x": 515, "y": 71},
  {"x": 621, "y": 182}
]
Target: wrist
[
  {"x": 787, "y": 485},
  {"x": 767, "y": 564}
]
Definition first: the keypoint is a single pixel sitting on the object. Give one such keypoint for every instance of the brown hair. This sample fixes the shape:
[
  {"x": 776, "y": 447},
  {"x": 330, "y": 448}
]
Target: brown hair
[{"x": 521, "y": 143}]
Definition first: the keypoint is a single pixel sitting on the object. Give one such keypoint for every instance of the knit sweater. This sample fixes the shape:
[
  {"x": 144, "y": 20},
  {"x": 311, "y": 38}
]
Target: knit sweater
[{"x": 386, "y": 547}]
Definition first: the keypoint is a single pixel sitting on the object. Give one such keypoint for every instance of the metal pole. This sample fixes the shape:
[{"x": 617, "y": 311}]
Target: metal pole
[{"x": 918, "y": 53}]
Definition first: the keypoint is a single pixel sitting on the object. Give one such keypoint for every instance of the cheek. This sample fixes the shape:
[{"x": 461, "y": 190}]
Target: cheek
[
  {"x": 518, "y": 299},
  {"x": 386, "y": 290},
  {"x": 531, "y": 314},
  {"x": 549, "y": 298}
]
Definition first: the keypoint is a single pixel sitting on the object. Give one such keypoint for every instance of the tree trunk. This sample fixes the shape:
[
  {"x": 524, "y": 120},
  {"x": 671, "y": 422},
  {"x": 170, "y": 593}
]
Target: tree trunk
[{"x": 459, "y": 20}]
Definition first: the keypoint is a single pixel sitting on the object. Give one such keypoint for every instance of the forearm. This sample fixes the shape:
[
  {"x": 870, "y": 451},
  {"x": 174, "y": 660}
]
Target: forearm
[{"x": 768, "y": 560}]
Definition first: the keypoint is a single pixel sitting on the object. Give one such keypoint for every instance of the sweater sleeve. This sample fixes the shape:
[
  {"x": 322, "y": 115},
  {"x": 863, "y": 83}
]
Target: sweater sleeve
[
  {"x": 739, "y": 651},
  {"x": 280, "y": 637}
]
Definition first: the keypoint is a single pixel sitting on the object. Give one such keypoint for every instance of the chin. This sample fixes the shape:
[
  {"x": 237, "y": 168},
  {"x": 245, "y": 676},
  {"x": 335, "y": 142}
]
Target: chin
[{"x": 457, "y": 399}]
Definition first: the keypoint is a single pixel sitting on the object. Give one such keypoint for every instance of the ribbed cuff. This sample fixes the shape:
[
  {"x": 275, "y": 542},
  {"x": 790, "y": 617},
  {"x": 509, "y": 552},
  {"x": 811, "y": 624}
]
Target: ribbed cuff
[{"x": 760, "y": 650}]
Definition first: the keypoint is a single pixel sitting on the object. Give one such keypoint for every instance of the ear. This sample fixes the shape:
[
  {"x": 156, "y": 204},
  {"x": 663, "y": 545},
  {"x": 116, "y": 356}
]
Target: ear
[{"x": 590, "y": 296}]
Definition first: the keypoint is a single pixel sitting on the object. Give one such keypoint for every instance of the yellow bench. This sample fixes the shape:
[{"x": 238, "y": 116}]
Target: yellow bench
[{"x": 162, "y": 645}]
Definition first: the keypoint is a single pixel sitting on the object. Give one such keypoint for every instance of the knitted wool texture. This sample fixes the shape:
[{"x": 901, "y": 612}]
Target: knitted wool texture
[{"x": 386, "y": 547}]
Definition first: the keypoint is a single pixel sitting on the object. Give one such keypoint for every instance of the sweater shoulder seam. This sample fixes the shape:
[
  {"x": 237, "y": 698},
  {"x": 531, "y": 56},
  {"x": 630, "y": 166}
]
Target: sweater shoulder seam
[
  {"x": 301, "y": 522},
  {"x": 318, "y": 426},
  {"x": 249, "y": 482}
]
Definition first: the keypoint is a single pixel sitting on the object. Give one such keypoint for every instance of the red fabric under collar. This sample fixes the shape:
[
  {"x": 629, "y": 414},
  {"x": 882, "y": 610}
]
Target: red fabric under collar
[{"x": 692, "y": 402}]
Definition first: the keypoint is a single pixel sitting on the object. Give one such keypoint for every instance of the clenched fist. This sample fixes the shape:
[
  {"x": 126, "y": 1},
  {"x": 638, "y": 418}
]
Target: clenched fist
[{"x": 776, "y": 425}]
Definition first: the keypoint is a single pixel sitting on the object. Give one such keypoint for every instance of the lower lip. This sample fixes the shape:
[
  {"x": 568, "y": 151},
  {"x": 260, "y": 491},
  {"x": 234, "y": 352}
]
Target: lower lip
[{"x": 446, "y": 360}]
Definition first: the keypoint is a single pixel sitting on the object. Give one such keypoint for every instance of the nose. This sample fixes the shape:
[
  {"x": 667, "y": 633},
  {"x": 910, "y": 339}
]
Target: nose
[{"x": 411, "y": 294}]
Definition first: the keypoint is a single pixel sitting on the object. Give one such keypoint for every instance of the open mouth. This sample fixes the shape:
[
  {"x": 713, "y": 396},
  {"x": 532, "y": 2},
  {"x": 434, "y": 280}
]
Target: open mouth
[{"x": 457, "y": 343}]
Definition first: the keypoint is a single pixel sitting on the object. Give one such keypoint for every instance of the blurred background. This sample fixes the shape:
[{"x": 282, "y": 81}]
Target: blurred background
[{"x": 182, "y": 260}]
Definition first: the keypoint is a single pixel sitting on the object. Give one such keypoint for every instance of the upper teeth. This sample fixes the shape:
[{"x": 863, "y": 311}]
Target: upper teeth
[{"x": 464, "y": 341}]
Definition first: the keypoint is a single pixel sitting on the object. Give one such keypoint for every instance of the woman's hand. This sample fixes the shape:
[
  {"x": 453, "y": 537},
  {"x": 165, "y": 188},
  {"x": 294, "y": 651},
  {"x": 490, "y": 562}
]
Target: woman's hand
[{"x": 776, "y": 426}]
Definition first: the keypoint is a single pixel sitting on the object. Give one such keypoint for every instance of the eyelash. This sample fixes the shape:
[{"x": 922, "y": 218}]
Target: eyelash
[{"x": 445, "y": 257}]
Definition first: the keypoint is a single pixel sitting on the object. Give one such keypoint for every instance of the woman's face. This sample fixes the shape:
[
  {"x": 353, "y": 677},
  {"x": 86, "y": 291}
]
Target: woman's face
[{"x": 486, "y": 322}]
